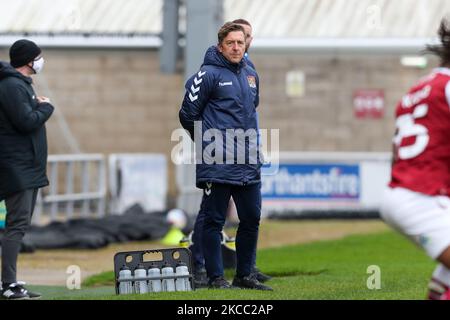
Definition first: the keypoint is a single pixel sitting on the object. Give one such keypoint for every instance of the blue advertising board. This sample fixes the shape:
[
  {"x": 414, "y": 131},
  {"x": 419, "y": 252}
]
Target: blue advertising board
[{"x": 313, "y": 181}]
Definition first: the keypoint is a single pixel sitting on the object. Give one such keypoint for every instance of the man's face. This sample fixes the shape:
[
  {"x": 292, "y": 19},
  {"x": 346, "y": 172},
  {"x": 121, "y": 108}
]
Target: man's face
[
  {"x": 248, "y": 36},
  {"x": 233, "y": 46}
]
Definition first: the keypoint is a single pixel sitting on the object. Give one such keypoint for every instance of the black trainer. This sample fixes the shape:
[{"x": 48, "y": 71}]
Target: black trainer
[
  {"x": 219, "y": 283},
  {"x": 32, "y": 295},
  {"x": 15, "y": 291},
  {"x": 18, "y": 289},
  {"x": 261, "y": 277},
  {"x": 250, "y": 282},
  {"x": 200, "y": 278}
]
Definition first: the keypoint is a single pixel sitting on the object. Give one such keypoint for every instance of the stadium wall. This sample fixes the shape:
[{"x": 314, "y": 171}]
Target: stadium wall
[{"x": 116, "y": 100}]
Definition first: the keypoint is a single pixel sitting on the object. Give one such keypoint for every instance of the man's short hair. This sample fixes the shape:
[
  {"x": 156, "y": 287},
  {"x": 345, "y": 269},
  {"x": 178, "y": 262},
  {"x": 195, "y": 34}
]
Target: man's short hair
[
  {"x": 227, "y": 28},
  {"x": 242, "y": 21}
]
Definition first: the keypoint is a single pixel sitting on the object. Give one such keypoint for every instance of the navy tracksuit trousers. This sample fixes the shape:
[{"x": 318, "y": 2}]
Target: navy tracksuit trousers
[
  {"x": 197, "y": 240},
  {"x": 214, "y": 207}
]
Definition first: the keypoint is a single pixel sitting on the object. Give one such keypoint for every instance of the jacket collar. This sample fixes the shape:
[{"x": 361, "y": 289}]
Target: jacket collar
[{"x": 6, "y": 70}]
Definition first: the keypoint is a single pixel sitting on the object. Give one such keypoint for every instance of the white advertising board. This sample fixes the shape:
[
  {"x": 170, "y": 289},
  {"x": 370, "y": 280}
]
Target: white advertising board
[{"x": 138, "y": 179}]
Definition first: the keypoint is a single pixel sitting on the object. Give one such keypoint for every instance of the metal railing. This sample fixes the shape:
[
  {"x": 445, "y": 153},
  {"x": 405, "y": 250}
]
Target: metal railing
[{"x": 77, "y": 188}]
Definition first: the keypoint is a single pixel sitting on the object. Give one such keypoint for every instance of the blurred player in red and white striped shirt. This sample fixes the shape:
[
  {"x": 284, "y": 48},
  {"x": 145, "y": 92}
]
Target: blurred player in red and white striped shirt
[{"x": 417, "y": 202}]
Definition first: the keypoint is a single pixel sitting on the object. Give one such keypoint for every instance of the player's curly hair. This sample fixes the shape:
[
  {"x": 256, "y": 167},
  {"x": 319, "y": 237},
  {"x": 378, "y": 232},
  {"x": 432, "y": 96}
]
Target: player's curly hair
[{"x": 442, "y": 50}]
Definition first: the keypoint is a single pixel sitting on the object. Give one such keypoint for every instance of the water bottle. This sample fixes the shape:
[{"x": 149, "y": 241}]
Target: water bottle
[
  {"x": 182, "y": 284},
  {"x": 140, "y": 286},
  {"x": 168, "y": 284},
  {"x": 125, "y": 287},
  {"x": 154, "y": 285}
]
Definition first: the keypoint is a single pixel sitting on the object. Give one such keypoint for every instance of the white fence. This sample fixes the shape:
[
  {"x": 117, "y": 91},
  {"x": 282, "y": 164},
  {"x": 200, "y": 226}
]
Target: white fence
[
  {"x": 78, "y": 185},
  {"x": 137, "y": 178},
  {"x": 84, "y": 191},
  {"x": 304, "y": 182},
  {"x": 309, "y": 181},
  {"x": 326, "y": 181}
]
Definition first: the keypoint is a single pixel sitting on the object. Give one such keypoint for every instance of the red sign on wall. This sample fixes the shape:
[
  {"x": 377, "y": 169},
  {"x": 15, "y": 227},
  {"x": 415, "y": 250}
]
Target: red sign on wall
[{"x": 368, "y": 103}]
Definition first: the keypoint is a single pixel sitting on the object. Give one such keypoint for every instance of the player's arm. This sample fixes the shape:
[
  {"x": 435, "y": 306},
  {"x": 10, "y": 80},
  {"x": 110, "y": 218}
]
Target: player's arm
[{"x": 198, "y": 92}]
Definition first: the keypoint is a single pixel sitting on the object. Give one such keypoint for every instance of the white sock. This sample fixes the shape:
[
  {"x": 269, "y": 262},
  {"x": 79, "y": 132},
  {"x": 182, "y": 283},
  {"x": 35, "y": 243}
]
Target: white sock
[{"x": 442, "y": 274}]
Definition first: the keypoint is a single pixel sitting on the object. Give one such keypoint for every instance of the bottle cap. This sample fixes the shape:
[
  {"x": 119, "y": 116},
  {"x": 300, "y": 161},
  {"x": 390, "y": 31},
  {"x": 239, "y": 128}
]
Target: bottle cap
[{"x": 140, "y": 266}]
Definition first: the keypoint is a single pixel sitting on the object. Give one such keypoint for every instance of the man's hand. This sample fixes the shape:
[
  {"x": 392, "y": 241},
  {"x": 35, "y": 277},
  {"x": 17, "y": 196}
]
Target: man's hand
[{"x": 42, "y": 99}]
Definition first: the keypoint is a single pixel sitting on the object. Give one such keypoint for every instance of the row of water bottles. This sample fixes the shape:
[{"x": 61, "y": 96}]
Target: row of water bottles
[{"x": 136, "y": 283}]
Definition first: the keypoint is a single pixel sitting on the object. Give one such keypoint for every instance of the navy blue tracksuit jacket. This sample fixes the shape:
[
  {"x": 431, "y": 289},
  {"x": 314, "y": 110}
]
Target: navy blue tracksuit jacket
[{"x": 223, "y": 96}]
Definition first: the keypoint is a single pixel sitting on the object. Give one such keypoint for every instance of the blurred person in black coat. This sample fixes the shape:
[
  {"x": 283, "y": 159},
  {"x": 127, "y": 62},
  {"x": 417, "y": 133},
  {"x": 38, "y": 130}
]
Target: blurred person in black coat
[{"x": 23, "y": 154}]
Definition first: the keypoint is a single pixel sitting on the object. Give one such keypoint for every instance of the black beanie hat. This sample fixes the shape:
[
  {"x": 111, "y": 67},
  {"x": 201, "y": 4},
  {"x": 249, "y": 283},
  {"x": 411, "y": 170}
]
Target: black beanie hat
[{"x": 23, "y": 52}]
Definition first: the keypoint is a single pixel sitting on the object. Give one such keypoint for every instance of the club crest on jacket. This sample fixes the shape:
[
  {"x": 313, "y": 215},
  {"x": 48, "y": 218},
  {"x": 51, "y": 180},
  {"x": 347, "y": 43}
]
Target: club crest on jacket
[{"x": 251, "y": 81}]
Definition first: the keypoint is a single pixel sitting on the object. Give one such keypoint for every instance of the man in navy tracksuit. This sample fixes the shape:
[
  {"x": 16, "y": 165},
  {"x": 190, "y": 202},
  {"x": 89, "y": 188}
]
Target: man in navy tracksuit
[
  {"x": 222, "y": 98},
  {"x": 200, "y": 277}
]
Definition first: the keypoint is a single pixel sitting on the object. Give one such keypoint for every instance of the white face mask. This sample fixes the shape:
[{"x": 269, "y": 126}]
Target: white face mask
[{"x": 38, "y": 65}]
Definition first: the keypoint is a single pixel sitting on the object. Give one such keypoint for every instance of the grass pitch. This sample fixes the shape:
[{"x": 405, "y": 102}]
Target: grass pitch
[{"x": 323, "y": 270}]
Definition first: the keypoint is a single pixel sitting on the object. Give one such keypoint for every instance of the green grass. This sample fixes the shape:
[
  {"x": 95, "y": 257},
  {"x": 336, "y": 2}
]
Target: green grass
[
  {"x": 319, "y": 270},
  {"x": 100, "y": 280}
]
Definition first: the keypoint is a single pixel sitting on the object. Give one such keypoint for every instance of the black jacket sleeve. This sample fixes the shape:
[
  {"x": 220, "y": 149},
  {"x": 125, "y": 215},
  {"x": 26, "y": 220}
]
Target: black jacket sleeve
[{"x": 17, "y": 106}]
